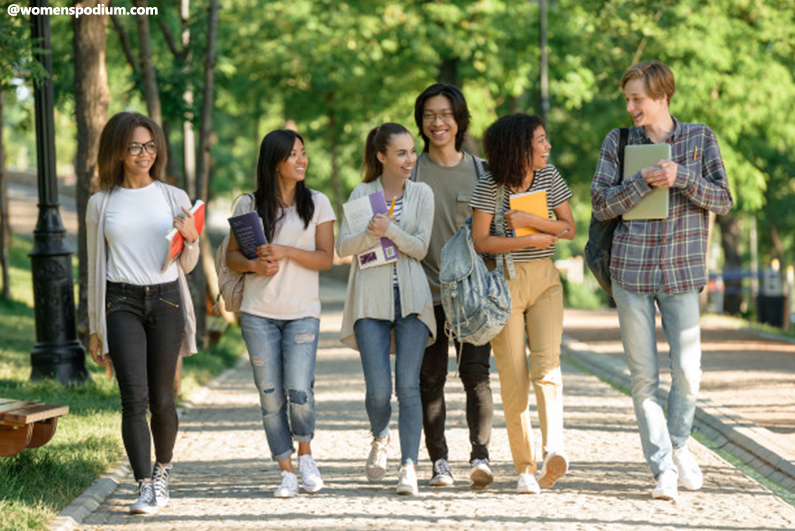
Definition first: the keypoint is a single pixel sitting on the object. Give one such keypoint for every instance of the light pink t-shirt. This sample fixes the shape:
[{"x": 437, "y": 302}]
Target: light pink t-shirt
[{"x": 294, "y": 291}]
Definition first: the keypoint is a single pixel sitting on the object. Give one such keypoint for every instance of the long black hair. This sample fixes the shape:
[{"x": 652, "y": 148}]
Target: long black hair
[
  {"x": 458, "y": 103},
  {"x": 508, "y": 145},
  {"x": 378, "y": 140},
  {"x": 275, "y": 148}
]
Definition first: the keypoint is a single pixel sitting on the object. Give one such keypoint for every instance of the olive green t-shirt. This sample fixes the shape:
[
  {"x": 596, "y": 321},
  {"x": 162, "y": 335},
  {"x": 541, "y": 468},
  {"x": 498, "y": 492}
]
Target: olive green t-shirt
[{"x": 452, "y": 189}]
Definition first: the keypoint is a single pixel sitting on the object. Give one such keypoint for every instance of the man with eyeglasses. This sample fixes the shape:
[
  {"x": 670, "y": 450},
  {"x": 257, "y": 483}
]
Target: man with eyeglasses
[{"x": 442, "y": 117}]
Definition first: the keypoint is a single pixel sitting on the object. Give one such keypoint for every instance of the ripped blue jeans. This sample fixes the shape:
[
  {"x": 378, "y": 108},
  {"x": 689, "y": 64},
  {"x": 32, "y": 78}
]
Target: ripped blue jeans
[{"x": 282, "y": 355}]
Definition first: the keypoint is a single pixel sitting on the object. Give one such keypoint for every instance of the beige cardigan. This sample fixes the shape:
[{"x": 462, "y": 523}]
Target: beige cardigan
[
  {"x": 98, "y": 268},
  {"x": 370, "y": 292}
]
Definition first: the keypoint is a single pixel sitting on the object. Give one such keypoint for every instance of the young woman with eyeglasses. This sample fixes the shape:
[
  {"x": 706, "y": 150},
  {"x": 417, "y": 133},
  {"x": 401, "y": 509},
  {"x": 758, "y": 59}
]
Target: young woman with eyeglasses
[{"x": 141, "y": 318}]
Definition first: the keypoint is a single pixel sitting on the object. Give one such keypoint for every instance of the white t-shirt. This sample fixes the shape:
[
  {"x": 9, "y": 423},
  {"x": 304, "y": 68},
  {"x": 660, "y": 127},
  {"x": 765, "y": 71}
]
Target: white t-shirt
[
  {"x": 294, "y": 291},
  {"x": 136, "y": 224}
]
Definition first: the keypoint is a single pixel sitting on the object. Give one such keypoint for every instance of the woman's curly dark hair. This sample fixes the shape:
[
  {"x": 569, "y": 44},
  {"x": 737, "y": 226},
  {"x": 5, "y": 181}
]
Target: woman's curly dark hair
[{"x": 508, "y": 145}]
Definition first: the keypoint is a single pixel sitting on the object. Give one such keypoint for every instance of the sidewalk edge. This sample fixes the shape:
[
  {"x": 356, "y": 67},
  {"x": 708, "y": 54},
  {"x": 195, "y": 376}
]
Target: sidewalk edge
[
  {"x": 752, "y": 444},
  {"x": 73, "y": 514}
]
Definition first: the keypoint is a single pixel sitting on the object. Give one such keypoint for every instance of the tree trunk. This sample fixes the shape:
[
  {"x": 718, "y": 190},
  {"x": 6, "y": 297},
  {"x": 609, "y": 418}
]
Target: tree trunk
[
  {"x": 448, "y": 72},
  {"x": 188, "y": 133},
  {"x": 333, "y": 142},
  {"x": 200, "y": 274},
  {"x": 91, "y": 112},
  {"x": 4, "y": 217},
  {"x": 148, "y": 66},
  {"x": 731, "y": 233}
]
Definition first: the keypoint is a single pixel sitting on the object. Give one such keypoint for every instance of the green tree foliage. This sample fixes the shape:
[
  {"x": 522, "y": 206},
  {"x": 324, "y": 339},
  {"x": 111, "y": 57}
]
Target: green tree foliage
[{"x": 334, "y": 69}]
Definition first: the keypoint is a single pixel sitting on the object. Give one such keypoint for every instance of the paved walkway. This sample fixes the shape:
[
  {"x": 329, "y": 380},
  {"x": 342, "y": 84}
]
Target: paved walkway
[{"x": 223, "y": 477}]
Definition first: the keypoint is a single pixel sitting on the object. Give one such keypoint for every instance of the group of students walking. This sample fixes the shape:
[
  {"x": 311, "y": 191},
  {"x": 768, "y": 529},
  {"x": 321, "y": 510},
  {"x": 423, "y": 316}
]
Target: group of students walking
[{"x": 143, "y": 319}]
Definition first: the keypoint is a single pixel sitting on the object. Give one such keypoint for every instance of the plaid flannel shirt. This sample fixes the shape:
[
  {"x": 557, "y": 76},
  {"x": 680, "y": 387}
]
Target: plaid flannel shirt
[{"x": 663, "y": 255}]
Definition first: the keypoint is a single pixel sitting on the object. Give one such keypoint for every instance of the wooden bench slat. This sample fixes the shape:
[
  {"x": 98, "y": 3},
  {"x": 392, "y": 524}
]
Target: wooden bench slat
[
  {"x": 11, "y": 405},
  {"x": 33, "y": 413}
]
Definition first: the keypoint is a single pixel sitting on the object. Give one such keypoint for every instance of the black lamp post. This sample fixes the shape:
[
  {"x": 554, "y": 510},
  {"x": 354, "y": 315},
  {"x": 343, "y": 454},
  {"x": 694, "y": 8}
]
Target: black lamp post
[{"x": 57, "y": 353}]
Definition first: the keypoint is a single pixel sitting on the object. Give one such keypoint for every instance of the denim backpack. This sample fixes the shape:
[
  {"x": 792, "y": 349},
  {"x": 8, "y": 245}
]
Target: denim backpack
[
  {"x": 600, "y": 233},
  {"x": 476, "y": 301}
]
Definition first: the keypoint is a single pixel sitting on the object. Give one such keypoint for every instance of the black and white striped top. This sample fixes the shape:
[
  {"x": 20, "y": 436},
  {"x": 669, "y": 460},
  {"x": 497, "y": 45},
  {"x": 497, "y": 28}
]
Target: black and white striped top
[{"x": 485, "y": 198}]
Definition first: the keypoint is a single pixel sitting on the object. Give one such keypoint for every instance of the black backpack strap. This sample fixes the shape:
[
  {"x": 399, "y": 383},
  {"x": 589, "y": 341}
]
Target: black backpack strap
[{"x": 623, "y": 138}]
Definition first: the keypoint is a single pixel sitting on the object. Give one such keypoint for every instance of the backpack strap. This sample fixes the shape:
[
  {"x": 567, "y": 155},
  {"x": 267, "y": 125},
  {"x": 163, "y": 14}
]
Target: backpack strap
[
  {"x": 623, "y": 138},
  {"x": 499, "y": 221}
]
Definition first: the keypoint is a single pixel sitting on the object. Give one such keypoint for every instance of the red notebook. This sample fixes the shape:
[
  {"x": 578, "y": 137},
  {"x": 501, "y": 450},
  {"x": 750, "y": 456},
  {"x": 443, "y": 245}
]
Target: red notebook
[{"x": 174, "y": 238}]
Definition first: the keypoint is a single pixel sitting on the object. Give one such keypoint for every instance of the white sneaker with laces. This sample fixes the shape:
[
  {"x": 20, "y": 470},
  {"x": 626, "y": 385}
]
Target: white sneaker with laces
[
  {"x": 666, "y": 486},
  {"x": 289, "y": 486},
  {"x": 407, "y": 481},
  {"x": 480, "y": 475},
  {"x": 310, "y": 475},
  {"x": 146, "y": 502},
  {"x": 442, "y": 475},
  {"x": 160, "y": 483},
  {"x": 376, "y": 461},
  {"x": 555, "y": 467},
  {"x": 527, "y": 484},
  {"x": 690, "y": 475}
]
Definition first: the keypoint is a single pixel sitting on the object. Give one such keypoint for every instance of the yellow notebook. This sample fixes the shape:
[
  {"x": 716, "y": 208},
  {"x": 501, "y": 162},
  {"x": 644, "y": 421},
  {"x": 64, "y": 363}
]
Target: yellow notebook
[{"x": 532, "y": 202}]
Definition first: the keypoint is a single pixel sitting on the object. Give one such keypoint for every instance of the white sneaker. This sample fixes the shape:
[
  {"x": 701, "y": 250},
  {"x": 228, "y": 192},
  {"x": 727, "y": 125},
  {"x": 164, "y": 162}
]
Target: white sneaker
[
  {"x": 555, "y": 467},
  {"x": 689, "y": 473},
  {"x": 480, "y": 476},
  {"x": 527, "y": 484},
  {"x": 160, "y": 483},
  {"x": 376, "y": 461},
  {"x": 407, "y": 481},
  {"x": 310, "y": 475},
  {"x": 289, "y": 486},
  {"x": 146, "y": 502},
  {"x": 666, "y": 486}
]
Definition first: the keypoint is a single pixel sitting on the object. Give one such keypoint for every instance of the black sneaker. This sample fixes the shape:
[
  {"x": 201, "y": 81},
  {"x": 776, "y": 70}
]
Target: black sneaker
[
  {"x": 147, "y": 500},
  {"x": 160, "y": 482},
  {"x": 442, "y": 476}
]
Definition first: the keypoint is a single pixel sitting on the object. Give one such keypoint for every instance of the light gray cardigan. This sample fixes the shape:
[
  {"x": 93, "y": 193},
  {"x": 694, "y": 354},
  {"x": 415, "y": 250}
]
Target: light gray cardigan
[
  {"x": 370, "y": 292},
  {"x": 98, "y": 266}
]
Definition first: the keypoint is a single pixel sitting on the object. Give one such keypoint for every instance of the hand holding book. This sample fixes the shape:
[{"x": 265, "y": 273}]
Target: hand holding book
[{"x": 188, "y": 226}]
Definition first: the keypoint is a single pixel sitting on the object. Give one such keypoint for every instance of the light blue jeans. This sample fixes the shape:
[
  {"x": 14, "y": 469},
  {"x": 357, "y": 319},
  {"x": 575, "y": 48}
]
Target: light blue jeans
[
  {"x": 374, "y": 337},
  {"x": 680, "y": 323},
  {"x": 282, "y": 355}
]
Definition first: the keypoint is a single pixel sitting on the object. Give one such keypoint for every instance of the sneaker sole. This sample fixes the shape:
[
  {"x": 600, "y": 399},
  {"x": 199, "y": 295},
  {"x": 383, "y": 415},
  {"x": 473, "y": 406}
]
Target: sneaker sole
[
  {"x": 406, "y": 491},
  {"x": 372, "y": 479},
  {"x": 441, "y": 482},
  {"x": 147, "y": 511},
  {"x": 528, "y": 491},
  {"x": 284, "y": 496},
  {"x": 480, "y": 479},
  {"x": 663, "y": 496},
  {"x": 311, "y": 489},
  {"x": 555, "y": 469}
]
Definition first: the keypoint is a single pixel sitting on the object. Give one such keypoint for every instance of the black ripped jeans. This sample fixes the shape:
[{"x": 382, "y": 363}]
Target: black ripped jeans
[{"x": 145, "y": 326}]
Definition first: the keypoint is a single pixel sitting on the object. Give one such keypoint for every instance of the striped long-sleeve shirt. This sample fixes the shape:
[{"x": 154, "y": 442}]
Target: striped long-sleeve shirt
[{"x": 665, "y": 255}]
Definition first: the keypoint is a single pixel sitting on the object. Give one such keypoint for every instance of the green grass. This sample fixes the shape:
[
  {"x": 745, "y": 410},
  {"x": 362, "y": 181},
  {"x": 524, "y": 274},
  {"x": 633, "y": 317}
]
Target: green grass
[{"x": 38, "y": 483}]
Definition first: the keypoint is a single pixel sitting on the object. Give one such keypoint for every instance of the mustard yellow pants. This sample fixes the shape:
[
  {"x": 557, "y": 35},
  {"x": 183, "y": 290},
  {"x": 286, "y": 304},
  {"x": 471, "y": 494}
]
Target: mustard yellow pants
[{"x": 536, "y": 321}]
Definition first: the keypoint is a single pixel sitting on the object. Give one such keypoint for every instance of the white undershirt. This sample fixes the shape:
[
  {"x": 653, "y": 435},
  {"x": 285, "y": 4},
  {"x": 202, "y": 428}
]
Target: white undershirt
[{"x": 136, "y": 224}]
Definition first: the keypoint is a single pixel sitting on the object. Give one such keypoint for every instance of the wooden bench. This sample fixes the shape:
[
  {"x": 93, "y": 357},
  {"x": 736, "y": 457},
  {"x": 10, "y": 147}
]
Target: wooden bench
[{"x": 27, "y": 424}]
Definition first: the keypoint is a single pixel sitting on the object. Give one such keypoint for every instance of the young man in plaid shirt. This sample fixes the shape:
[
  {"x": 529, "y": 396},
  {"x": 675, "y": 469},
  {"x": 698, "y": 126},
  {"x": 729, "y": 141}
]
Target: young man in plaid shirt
[{"x": 662, "y": 261}]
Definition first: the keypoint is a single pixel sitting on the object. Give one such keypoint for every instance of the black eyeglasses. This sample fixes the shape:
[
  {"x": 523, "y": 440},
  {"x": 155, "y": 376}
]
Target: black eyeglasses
[{"x": 136, "y": 148}]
